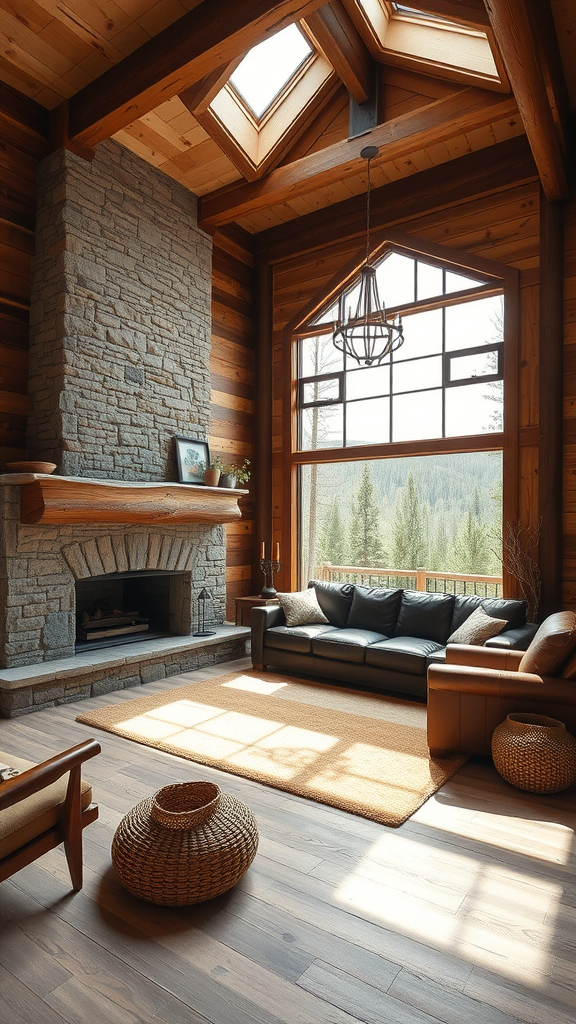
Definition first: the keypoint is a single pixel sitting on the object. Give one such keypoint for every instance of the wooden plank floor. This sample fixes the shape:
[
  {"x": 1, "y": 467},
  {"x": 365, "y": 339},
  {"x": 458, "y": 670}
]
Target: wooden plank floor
[{"x": 466, "y": 913}]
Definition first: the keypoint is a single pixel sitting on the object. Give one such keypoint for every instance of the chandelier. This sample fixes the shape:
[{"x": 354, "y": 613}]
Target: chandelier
[{"x": 368, "y": 337}]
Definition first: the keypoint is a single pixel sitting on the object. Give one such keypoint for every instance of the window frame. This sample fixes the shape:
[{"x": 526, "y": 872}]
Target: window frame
[{"x": 499, "y": 278}]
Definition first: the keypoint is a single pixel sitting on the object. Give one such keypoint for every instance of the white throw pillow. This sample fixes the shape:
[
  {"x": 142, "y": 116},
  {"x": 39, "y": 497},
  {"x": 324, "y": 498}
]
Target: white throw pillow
[
  {"x": 301, "y": 608},
  {"x": 477, "y": 628}
]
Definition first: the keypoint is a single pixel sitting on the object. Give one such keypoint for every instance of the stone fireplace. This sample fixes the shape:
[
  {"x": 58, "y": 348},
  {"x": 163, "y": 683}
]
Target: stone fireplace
[{"x": 119, "y": 357}]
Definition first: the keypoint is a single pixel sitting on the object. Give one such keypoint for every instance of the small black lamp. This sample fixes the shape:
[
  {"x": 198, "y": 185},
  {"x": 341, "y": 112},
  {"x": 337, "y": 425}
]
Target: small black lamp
[{"x": 203, "y": 596}]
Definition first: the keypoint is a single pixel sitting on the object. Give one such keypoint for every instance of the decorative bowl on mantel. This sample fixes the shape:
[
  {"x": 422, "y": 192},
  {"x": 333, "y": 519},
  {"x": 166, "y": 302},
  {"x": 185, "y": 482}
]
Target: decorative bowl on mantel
[{"x": 31, "y": 467}]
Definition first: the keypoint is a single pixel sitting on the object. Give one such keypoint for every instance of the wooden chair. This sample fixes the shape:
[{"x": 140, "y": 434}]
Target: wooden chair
[{"x": 35, "y": 819}]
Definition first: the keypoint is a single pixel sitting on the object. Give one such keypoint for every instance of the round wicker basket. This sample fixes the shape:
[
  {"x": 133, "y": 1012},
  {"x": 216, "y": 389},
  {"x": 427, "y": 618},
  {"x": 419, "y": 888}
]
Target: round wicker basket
[
  {"x": 186, "y": 844},
  {"x": 534, "y": 753}
]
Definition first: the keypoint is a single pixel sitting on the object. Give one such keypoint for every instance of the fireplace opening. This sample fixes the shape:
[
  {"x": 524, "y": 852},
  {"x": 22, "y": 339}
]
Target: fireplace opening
[{"x": 129, "y": 607}]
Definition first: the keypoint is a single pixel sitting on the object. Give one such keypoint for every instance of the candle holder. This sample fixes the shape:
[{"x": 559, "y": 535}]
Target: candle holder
[{"x": 268, "y": 567}]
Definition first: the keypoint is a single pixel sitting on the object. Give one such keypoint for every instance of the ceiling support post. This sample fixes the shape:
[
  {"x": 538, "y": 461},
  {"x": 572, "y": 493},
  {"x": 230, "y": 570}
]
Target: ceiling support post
[
  {"x": 551, "y": 342},
  {"x": 263, "y": 423}
]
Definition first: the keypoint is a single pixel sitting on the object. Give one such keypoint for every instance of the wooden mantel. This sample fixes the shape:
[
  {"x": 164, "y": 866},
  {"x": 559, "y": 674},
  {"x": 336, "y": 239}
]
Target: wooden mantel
[{"x": 68, "y": 499}]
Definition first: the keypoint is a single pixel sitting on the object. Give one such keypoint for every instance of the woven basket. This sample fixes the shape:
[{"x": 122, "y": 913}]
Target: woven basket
[
  {"x": 186, "y": 844},
  {"x": 534, "y": 753}
]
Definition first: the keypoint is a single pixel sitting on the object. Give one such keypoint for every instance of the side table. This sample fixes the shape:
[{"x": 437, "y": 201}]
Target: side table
[{"x": 244, "y": 606}]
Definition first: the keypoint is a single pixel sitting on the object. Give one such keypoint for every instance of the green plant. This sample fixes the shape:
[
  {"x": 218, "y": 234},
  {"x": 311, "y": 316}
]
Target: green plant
[
  {"x": 216, "y": 463},
  {"x": 242, "y": 473}
]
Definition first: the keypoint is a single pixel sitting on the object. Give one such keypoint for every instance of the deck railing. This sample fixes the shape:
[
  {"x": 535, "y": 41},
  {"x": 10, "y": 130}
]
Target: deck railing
[{"x": 413, "y": 579}]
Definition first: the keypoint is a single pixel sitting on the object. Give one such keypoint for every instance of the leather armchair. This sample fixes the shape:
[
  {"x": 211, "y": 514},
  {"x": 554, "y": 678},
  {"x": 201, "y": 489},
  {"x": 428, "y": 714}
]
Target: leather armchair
[{"x": 478, "y": 687}]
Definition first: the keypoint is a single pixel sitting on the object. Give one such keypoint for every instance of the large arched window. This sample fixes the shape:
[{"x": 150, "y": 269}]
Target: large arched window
[
  {"x": 446, "y": 380},
  {"x": 436, "y": 410}
]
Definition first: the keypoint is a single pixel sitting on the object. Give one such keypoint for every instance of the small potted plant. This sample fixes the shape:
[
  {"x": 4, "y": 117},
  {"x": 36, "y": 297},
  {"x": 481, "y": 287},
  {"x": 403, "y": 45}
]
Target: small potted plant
[
  {"x": 212, "y": 475},
  {"x": 233, "y": 474}
]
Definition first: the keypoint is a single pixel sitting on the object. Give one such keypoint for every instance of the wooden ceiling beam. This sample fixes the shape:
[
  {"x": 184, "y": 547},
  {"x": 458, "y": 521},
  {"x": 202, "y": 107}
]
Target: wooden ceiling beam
[
  {"x": 334, "y": 32},
  {"x": 435, "y": 122},
  {"x": 518, "y": 40},
  {"x": 550, "y": 62},
  {"x": 208, "y": 37},
  {"x": 486, "y": 172}
]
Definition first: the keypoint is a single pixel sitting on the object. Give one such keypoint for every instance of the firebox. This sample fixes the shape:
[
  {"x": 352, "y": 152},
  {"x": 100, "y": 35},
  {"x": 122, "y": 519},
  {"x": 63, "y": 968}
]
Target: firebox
[{"x": 126, "y": 607}]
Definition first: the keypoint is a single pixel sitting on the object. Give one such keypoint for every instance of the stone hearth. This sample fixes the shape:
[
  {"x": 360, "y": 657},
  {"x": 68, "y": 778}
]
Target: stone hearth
[{"x": 35, "y": 687}]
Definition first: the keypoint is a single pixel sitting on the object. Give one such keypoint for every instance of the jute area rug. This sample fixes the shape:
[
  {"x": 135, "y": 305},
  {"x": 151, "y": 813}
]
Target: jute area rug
[{"x": 362, "y": 752}]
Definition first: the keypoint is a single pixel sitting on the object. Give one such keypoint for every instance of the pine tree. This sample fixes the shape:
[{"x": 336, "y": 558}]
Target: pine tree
[
  {"x": 409, "y": 535},
  {"x": 333, "y": 547},
  {"x": 366, "y": 546},
  {"x": 472, "y": 547}
]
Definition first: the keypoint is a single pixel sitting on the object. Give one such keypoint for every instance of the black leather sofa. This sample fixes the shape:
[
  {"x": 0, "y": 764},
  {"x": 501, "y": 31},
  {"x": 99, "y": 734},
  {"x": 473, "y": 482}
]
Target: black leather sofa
[{"x": 377, "y": 638}]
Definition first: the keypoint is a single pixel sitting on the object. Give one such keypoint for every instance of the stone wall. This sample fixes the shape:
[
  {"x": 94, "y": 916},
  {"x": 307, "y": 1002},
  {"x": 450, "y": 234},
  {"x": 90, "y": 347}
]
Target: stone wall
[{"x": 120, "y": 318}]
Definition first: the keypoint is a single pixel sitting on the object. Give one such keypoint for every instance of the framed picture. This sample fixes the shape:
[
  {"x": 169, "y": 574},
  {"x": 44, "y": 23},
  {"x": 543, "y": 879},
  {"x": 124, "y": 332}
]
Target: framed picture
[{"x": 193, "y": 459}]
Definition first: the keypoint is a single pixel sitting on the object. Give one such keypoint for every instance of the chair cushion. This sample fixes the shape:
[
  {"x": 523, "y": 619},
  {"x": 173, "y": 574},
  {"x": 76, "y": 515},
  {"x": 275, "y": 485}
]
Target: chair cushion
[
  {"x": 552, "y": 645},
  {"x": 375, "y": 608},
  {"x": 477, "y": 628},
  {"x": 295, "y": 638},
  {"x": 345, "y": 644},
  {"x": 425, "y": 615},
  {"x": 301, "y": 608},
  {"x": 31, "y": 817},
  {"x": 402, "y": 654},
  {"x": 335, "y": 600}
]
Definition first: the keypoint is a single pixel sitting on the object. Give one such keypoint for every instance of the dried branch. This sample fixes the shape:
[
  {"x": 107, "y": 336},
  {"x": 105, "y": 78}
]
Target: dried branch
[{"x": 519, "y": 544}]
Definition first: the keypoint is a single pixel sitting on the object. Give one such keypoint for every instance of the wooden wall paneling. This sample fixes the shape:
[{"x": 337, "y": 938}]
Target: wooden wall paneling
[
  {"x": 24, "y": 130},
  {"x": 569, "y": 426},
  {"x": 551, "y": 412},
  {"x": 232, "y": 400},
  {"x": 529, "y": 357}
]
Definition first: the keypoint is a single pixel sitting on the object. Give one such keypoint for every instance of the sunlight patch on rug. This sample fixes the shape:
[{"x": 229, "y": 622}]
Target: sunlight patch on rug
[{"x": 361, "y": 752}]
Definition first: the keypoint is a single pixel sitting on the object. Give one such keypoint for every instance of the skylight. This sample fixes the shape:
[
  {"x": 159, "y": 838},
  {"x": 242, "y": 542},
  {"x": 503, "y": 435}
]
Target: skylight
[
  {"x": 268, "y": 67},
  {"x": 405, "y": 9}
]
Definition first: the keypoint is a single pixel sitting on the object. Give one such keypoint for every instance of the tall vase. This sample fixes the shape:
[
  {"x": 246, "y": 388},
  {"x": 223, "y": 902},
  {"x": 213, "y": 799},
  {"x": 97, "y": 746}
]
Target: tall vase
[{"x": 534, "y": 753}]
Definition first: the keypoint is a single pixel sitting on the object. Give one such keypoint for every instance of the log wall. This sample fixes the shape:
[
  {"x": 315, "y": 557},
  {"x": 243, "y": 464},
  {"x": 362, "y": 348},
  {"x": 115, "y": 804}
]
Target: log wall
[
  {"x": 24, "y": 130},
  {"x": 569, "y": 482},
  {"x": 232, "y": 375}
]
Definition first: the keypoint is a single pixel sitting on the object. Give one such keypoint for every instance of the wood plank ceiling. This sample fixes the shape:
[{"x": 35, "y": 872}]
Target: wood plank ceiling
[{"x": 96, "y": 66}]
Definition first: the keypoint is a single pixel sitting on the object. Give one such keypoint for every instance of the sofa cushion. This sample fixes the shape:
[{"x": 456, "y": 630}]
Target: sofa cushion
[
  {"x": 345, "y": 644},
  {"x": 477, "y": 629},
  {"x": 295, "y": 638},
  {"x": 375, "y": 608},
  {"x": 514, "y": 611},
  {"x": 498, "y": 607},
  {"x": 464, "y": 605},
  {"x": 402, "y": 654},
  {"x": 29, "y": 818},
  {"x": 335, "y": 600},
  {"x": 552, "y": 645},
  {"x": 301, "y": 608},
  {"x": 425, "y": 615}
]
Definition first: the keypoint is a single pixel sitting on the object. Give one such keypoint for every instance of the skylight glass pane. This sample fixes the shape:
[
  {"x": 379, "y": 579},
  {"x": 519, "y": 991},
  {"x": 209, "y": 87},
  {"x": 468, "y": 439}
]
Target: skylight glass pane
[
  {"x": 268, "y": 67},
  {"x": 406, "y": 9}
]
